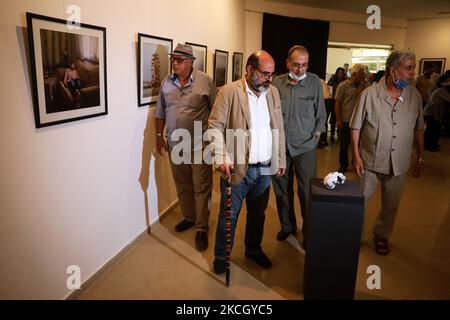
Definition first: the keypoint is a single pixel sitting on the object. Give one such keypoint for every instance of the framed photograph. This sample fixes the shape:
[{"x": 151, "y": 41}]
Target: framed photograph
[
  {"x": 200, "y": 54},
  {"x": 238, "y": 57},
  {"x": 437, "y": 64},
  {"x": 153, "y": 66},
  {"x": 220, "y": 67},
  {"x": 68, "y": 70}
]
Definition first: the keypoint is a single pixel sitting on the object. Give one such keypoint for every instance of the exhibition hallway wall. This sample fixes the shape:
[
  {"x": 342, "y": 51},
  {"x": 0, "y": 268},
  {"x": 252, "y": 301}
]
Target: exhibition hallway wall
[
  {"x": 71, "y": 193},
  {"x": 79, "y": 193}
]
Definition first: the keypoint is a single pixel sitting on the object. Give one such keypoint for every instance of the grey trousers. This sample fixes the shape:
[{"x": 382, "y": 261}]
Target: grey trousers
[
  {"x": 391, "y": 192},
  {"x": 194, "y": 186},
  {"x": 304, "y": 166}
]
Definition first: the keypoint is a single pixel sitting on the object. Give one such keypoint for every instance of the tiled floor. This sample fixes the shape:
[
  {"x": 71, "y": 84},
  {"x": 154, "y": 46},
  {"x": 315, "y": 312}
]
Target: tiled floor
[{"x": 165, "y": 264}]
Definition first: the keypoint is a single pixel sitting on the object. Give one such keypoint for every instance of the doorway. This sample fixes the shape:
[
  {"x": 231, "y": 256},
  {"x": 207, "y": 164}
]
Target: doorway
[{"x": 372, "y": 55}]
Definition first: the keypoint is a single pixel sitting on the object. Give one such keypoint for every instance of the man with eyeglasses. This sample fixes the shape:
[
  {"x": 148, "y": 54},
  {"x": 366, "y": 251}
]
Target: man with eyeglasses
[
  {"x": 185, "y": 96},
  {"x": 254, "y": 150},
  {"x": 304, "y": 119},
  {"x": 386, "y": 123}
]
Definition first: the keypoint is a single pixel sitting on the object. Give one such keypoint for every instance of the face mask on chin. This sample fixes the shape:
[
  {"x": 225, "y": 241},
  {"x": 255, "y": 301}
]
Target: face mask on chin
[
  {"x": 297, "y": 78},
  {"x": 401, "y": 84}
]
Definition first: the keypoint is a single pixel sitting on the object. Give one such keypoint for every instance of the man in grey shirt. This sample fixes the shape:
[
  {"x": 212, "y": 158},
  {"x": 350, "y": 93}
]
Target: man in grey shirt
[
  {"x": 186, "y": 97},
  {"x": 386, "y": 123},
  {"x": 304, "y": 115}
]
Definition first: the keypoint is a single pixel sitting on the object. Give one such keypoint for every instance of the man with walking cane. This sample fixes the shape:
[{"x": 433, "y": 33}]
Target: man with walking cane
[{"x": 247, "y": 115}]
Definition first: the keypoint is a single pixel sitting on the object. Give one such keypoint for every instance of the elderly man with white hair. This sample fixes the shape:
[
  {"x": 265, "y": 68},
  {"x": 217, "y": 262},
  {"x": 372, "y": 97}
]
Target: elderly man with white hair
[
  {"x": 186, "y": 96},
  {"x": 386, "y": 123},
  {"x": 346, "y": 94}
]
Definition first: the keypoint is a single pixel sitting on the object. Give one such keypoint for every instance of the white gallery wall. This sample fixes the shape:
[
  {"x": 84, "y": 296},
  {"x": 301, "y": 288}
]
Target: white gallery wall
[
  {"x": 335, "y": 58},
  {"x": 71, "y": 194},
  {"x": 430, "y": 38}
]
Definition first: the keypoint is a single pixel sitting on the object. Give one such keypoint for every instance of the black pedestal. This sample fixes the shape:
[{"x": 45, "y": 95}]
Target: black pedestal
[{"x": 333, "y": 236}]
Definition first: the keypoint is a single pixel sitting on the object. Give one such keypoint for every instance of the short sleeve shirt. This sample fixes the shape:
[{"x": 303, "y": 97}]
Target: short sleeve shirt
[
  {"x": 181, "y": 106},
  {"x": 347, "y": 93},
  {"x": 387, "y": 129}
]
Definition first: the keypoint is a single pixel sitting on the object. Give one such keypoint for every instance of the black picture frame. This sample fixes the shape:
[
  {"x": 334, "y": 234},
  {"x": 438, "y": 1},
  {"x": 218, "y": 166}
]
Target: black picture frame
[
  {"x": 220, "y": 67},
  {"x": 80, "y": 54},
  {"x": 438, "y": 64},
  {"x": 238, "y": 60},
  {"x": 153, "y": 66},
  {"x": 201, "y": 56}
]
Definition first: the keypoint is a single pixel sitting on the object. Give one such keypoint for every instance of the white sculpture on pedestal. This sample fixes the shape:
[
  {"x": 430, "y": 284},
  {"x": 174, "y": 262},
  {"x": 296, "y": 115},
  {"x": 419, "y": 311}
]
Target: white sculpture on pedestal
[{"x": 332, "y": 179}]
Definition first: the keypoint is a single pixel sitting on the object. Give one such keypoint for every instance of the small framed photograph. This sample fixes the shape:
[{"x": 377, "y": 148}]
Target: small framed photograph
[
  {"x": 220, "y": 67},
  {"x": 238, "y": 57},
  {"x": 437, "y": 64},
  {"x": 200, "y": 54},
  {"x": 153, "y": 66},
  {"x": 68, "y": 70}
]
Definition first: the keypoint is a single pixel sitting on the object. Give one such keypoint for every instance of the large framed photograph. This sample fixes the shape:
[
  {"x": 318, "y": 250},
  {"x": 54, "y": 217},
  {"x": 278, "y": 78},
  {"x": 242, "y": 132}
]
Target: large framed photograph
[
  {"x": 238, "y": 57},
  {"x": 153, "y": 66},
  {"x": 68, "y": 70},
  {"x": 220, "y": 67},
  {"x": 437, "y": 64},
  {"x": 200, "y": 54}
]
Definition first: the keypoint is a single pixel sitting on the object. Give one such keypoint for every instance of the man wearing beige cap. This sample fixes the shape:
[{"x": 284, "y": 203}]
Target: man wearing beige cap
[{"x": 185, "y": 99}]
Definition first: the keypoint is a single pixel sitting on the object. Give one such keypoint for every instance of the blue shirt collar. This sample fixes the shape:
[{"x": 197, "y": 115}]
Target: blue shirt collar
[{"x": 176, "y": 81}]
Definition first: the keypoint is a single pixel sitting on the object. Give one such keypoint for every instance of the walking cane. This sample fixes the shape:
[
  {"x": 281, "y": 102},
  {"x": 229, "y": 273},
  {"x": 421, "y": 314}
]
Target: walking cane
[{"x": 228, "y": 230}]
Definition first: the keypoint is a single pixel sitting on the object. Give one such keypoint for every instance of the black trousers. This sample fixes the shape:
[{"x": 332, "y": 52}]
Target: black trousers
[
  {"x": 432, "y": 133},
  {"x": 344, "y": 140},
  {"x": 331, "y": 115}
]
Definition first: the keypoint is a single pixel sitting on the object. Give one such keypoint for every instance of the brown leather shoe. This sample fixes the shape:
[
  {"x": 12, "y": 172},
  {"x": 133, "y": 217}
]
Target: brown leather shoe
[{"x": 381, "y": 246}]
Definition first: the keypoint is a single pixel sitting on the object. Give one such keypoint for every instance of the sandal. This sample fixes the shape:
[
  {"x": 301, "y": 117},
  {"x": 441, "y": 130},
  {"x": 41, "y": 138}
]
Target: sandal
[{"x": 381, "y": 246}]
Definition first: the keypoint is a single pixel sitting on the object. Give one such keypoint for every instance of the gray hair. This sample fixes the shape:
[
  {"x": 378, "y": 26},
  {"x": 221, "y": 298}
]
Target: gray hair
[
  {"x": 396, "y": 57},
  {"x": 359, "y": 66},
  {"x": 298, "y": 48}
]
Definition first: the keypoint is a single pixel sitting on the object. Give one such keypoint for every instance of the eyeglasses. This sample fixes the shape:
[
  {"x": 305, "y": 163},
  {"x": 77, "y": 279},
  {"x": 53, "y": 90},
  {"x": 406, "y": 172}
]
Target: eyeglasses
[
  {"x": 298, "y": 65},
  {"x": 177, "y": 59},
  {"x": 265, "y": 75},
  {"x": 409, "y": 68}
]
